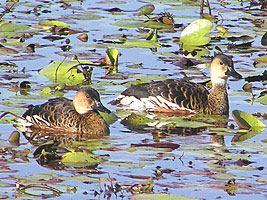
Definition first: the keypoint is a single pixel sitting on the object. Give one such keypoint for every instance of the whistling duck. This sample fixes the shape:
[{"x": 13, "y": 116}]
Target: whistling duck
[
  {"x": 181, "y": 96},
  {"x": 61, "y": 114}
]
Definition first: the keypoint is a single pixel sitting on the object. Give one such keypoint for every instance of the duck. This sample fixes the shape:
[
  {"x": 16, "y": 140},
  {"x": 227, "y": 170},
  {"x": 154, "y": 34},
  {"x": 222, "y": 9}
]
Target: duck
[
  {"x": 61, "y": 114},
  {"x": 181, "y": 96}
]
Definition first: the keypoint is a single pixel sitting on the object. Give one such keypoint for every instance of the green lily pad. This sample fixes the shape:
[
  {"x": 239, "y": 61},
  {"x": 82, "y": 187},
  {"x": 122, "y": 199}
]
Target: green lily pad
[
  {"x": 53, "y": 23},
  {"x": 142, "y": 43},
  {"x": 262, "y": 100},
  {"x": 261, "y": 62},
  {"x": 80, "y": 159},
  {"x": 46, "y": 91},
  {"x": 196, "y": 33},
  {"x": 247, "y": 121},
  {"x": 138, "y": 119},
  {"x": 145, "y": 10},
  {"x": 83, "y": 178},
  {"x": 110, "y": 118},
  {"x": 64, "y": 72},
  {"x": 9, "y": 27},
  {"x": 180, "y": 122},
  {"x": 227, "y": 176},
  {"x": 159, "y": 197}
]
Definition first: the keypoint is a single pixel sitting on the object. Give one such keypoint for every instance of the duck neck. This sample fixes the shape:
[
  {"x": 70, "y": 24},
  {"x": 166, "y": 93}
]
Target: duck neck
[{"x": 218, "y": 99}]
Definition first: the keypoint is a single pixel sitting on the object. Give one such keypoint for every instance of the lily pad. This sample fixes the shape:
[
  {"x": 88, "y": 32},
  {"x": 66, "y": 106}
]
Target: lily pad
[
  {"x": 247, "y": 121},
  {"x": 261, "y": 62},
  {"x": 145, "y": 10},
  {"x": 160, "y": 197},
  {"x": 80, "y": 159},
  {"x": 53, "y": 23},
  {"x": 262, "y": 100},
  {"x": 108, "y": 117},
  {"x": 196, "y": 33},
  {"x": 138, "y": 119},
  {"x": 65, "y": 72}
]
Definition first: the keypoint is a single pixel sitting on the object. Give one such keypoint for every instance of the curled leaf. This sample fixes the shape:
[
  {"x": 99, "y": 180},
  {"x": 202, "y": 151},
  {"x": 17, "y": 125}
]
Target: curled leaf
[
  {"x": 112, "y": 57},
  {"x": 247, "y": 121}
]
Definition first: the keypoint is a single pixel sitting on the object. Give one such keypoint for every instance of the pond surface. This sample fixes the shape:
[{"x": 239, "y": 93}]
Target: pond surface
[{"x": 196, "y": 161}]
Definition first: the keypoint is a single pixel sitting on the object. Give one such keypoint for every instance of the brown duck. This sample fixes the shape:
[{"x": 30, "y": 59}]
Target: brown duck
[
  {"x": 181, "y": 96},
  {"x": 64, "y": 115}
]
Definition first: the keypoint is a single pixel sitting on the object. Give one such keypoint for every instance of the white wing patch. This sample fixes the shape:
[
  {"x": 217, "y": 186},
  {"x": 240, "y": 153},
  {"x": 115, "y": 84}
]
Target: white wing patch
[
  {"x": 151, "y": 103},
  {"x": 35, "y": 119}
]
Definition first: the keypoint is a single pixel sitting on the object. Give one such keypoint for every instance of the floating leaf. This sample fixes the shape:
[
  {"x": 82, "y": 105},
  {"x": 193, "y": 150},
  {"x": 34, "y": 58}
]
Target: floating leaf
[
  {"x": 137, "y": 119},
  {"x": 83, "y": 37},
  {"x": 145, "y": 10},
  {"x": 112, "y": 57},
  {"x": 262, "y": 100},
  {"x": 153, "y": 35},
  {"x": 46, "y": 91},
  {"x": 9, "y": 27},
  {"x": 8, "y": 50},
  {"x": 82, "y": 178},
  {"x": 195, "y": 33},
  {"x": 53, "y": 23},
  {"x": 221, "y": 29},
  {"x": 142, "y": 44},
  {"x": 80, "y": 159},
  {"x": 65, "y": 71},
  {"x": 247, "y": 87},
  {"x": 180, "y": 122},
  {"x": 108, "y": 117},
  {"x": 247, "y": 121},
  {"x": 260, "y": 62},
  {"x": 160, "y": 197},
  {"x": 14, "y": 138},
  {"x": 227, "y": 176},
  {"x": 208, "y": 16}
]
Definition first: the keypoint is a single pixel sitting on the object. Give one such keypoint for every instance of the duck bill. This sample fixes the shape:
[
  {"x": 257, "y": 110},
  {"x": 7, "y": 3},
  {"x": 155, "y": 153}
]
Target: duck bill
[
  {"x": 231, "y": 72},
  {"x": 99, "y": 107}
]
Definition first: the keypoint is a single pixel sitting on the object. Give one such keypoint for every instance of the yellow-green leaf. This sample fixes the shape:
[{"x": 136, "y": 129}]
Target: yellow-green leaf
[
  {"x": 196, "y": 33},
  {"x": 160, "y": 197},
  {"x": 262, "y": 100},
  {"x": 80, "y": 159},
  {"x": 64, "y": 72},
  {"x": 145, "y": 10},
  {"x": 247, "y": 121},
  {"x": 112, "y": 57},
  {"x": 53, "y": 23}
]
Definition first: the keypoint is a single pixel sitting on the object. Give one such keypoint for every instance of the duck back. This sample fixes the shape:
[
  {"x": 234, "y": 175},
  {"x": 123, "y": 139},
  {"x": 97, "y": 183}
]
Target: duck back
[
  {"x": 169, "y": 95},
  {"x": 60, "y": 114}
]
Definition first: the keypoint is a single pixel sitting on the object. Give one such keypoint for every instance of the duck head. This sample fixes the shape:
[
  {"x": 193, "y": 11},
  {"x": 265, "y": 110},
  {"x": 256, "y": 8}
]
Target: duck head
[
  {"x": 221, "y": 68},
  {"x": 88, "y": 99}
]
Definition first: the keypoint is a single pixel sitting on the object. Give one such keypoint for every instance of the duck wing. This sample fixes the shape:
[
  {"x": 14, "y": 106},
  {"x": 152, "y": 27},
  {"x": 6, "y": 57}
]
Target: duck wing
[
  {"x": 171, "y": 94},
  {"x": 51, "y": 114}
]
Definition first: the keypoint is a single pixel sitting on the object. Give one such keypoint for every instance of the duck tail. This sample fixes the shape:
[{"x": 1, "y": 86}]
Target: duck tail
[{"x": 19, "y": 121}]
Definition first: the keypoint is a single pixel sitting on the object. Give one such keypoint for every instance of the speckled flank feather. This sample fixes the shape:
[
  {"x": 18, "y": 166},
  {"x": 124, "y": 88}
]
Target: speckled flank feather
[
  {"x": 60, "y": 114},
  {"x": 181, "y": 96}
]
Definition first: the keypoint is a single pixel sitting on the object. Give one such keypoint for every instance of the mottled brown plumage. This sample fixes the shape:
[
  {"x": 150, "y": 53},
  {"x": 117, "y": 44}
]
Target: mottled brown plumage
[
  {"x": 77, "y": 116},
  {"x": 182, "y": 96}
]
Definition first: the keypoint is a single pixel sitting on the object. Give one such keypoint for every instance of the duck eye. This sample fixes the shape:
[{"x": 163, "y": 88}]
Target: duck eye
[
  {"x": 221, "y": 63},
  {"x": 87, "y": 96}
]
